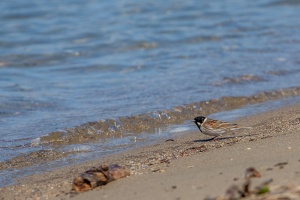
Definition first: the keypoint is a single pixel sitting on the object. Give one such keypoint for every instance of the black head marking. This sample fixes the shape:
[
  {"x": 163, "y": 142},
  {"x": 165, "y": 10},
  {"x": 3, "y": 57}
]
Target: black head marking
[{"x": 199, "y": 119}]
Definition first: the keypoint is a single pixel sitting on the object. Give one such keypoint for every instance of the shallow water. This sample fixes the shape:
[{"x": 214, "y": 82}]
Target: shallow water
[{"x": 78, "y": 77}]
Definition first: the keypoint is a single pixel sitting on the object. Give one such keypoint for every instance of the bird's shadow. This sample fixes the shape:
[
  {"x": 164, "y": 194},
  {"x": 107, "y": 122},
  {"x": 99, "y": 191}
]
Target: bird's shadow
[{"x": 223, "y": 138}]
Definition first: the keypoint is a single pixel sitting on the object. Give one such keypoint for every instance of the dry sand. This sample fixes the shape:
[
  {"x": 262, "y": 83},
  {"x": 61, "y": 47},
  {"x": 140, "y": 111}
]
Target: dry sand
[{"x": 189, "y": 167}]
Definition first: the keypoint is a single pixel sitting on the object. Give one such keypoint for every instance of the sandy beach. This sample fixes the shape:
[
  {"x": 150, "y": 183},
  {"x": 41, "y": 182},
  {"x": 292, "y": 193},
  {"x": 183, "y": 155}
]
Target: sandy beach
[{"x": 186, "y": 167}]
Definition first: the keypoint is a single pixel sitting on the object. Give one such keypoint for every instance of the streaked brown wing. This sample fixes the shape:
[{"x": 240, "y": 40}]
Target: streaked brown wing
[
  {"x": 221, "y": 124},
  {"x": 213, "y": 123},
  {"x": 228, "y": 125}
]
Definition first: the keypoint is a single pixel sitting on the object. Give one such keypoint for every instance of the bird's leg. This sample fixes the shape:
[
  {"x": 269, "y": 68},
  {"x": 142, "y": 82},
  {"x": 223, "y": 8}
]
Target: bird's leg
[{"x": 215, "y": 138}]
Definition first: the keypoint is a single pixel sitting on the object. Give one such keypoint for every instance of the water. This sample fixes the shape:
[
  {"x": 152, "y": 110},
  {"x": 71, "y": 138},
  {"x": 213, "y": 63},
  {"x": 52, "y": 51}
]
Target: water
[{"x": 82, "y": 78}]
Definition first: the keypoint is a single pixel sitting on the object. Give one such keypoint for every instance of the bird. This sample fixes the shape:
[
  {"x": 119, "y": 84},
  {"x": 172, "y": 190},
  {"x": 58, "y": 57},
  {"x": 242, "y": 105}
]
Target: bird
[{"x": 214, "y": 127}]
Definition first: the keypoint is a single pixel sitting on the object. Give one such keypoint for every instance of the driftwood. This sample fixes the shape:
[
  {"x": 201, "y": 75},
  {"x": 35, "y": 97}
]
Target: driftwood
[{"x": 98, "y": 176}]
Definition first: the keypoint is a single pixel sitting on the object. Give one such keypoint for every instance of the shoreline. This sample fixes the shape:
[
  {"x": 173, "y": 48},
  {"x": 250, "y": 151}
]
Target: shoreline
[
  {"x": 62, "y": 148},
  {"x": 158, "y": 167}
]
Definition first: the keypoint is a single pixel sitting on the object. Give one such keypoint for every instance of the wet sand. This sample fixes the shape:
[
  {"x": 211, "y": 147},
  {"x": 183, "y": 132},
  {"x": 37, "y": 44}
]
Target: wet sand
[{"x": 189, "y": 167}]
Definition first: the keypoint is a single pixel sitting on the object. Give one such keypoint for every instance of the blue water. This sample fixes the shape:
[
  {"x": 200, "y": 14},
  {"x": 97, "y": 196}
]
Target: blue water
[{"x": 65, "y": 63}]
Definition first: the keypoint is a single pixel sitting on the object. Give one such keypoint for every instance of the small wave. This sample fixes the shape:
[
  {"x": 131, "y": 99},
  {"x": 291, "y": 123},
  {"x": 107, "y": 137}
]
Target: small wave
[
  {"x": 149, "y": 122},
  {"x": 80, "y": 148},
  {"x": 240, "y": 79},
  {"x": 285, "y": 3},
  {"x": 282, "y": 72}
]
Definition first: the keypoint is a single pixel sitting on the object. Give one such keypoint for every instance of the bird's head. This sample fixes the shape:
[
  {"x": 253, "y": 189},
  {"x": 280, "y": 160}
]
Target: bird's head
[{"x": 199, "y": 120}]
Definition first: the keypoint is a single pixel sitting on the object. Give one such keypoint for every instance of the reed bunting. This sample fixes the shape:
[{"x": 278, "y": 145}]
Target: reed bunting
[{"x": 215, "y": 128}]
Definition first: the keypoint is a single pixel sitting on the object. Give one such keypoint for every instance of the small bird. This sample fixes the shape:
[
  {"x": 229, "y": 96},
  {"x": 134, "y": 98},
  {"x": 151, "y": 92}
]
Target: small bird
[{"x": 215, "y": 128}]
